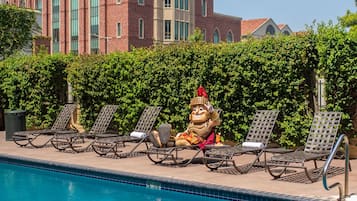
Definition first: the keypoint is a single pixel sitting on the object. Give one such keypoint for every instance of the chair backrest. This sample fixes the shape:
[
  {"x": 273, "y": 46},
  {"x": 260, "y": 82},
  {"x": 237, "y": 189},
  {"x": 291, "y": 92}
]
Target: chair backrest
[
  {"x": 147, "y": 119},
  {"x": 63, "y": 117},
  {"x": 262, "y": 126},
  {"x": 103, "y": 119},
  {"x": 323, "y": 132},
  {"x": 164, "y": 133}
]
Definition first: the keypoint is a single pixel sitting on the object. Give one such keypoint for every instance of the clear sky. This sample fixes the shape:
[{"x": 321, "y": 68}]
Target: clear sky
[{"x": 295, "y": 13}]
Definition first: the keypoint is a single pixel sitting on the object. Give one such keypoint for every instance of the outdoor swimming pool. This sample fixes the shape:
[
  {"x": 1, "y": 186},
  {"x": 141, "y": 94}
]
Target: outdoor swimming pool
[
  {"x": 30, "y": 180},
  {"x": 28, "y": 184}
]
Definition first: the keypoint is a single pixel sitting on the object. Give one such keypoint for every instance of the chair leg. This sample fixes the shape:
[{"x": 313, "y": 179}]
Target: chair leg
[
  {"x": 311, "y": 177},
  {"x": 103, "y": 148},
  {"x": 33, "y": 140},
  {"x": 79, "y": 148},
  {"x": 275, "y": 174},
  {"x": 249, "y": 166},
  {"x": 187, "y": 162},
  {"x": 60, "y": 144},
  {"x": 213, "y": 162},
  {"x": 21, "y": 141},
  {"x": 315, "y": 164},
  {"x": 158, "y": 155}
]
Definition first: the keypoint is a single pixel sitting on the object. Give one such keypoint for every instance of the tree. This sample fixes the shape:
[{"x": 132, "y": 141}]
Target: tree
[
  {"x": 197, "y": 35},
  {"x": 16, "y": 26},
  {"x": 349, "y": 20}
]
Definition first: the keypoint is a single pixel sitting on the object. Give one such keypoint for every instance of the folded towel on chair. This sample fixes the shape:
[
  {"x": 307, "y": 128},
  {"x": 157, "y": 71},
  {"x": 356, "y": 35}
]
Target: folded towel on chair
[
  {"x": 138, "y": 134},
  {"x": 253, "y": 144}
]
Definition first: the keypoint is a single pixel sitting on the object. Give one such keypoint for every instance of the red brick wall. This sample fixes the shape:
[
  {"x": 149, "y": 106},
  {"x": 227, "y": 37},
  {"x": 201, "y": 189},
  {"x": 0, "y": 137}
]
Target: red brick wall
[
  {"x": 214, "y": 21},
  {"x": 108, "y": 26},
  {"x": 198, "y": 8},
  {"x": 46, "y": 18},
  {"x": 223, "y": 24},
  {"x": 64, "y": 9},
  {"x": 146, "y": 12}
]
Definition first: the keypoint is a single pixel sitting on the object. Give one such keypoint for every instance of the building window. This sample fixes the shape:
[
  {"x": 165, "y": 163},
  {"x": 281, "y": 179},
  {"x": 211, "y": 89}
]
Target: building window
[
  {"x": 94, "y": 26},
  {"x": 38, "y": 5},
  {"x": 270, "y": 30},
  {"x": 55, "y": 25},
  {"x": 204, "y": 7},
  {"x": 141, "y": 28},
  {"x": 216, "y": 36},
  {"x": 181, "y": 30},
  {"x": 181, "y": 4},
  {"x": 74, "y": 26},
  {"x": 167, "y": 3},
  {"x": 141, "y": 2},
  {"x": 167, "y": 29},
  {"x": 186, "y": 4},
  {"x": 186, "y": 31},
  {"x": 229, "y": 38},
  {"x": 118, "y": 29},
  {"x": 177, "y": 30},
  {"x": 118, "y": 1},
  {"x": 286, "y": 33},
  {"x": 55, "y": 39}
]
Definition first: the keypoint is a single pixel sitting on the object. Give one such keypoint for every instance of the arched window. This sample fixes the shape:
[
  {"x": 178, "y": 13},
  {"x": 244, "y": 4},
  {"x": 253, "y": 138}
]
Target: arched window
[
  {"x": 216, "y": 36},
  {"x": 270, "y": 30},
  {"x": 229, "y": 38}
]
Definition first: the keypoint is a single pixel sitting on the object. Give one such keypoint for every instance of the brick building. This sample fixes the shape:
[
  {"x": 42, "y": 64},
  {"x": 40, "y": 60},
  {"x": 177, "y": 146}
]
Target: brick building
[{"x": 102, "y": 26}]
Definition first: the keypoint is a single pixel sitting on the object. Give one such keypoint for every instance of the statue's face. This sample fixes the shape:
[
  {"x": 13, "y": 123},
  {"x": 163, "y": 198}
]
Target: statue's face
[{"x": 199, "y": 114}]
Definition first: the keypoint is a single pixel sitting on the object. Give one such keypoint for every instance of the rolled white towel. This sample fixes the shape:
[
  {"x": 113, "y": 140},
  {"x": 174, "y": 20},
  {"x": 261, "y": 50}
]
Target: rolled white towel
[
  {"x": 253, "y": 144},
  {"x": 138, "y": 134}
]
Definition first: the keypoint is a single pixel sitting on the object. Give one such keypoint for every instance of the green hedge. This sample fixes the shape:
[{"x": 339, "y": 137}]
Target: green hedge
[
  {"x": 338, "y": 64},
  {"x": 36, "y": 84},
  {"x": 240, "y": 78}
]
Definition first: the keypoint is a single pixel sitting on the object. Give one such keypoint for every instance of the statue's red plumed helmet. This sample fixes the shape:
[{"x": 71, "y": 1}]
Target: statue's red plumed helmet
[{"x": 201, "y": 98}]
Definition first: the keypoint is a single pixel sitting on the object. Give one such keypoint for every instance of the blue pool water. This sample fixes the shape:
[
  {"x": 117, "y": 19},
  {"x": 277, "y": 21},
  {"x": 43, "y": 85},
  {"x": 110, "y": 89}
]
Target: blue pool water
[{"x": 19, "y": 183}]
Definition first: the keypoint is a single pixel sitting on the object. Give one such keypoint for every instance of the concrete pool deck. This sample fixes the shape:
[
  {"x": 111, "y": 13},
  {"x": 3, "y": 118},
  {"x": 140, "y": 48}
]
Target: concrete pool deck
[{"x": 257, "y": 179}]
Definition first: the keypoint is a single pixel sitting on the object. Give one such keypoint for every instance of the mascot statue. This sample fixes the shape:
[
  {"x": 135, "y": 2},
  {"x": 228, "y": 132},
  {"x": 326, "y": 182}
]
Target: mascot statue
[{"x": 203, "y": 119}]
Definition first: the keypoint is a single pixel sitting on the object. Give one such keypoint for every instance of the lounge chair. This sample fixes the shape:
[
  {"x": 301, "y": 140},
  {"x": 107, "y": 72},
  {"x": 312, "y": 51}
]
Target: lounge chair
[
  {"x": 256, "y": 141},
  {"x": 32, "y": 137},
  {"x": 80, "y": 142},
  {"x": 166, "y": 154},
  {"x": 170, "y": 155},
  {"x": 318, "y": 146},
  {"x": 119, "y": 145}
]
